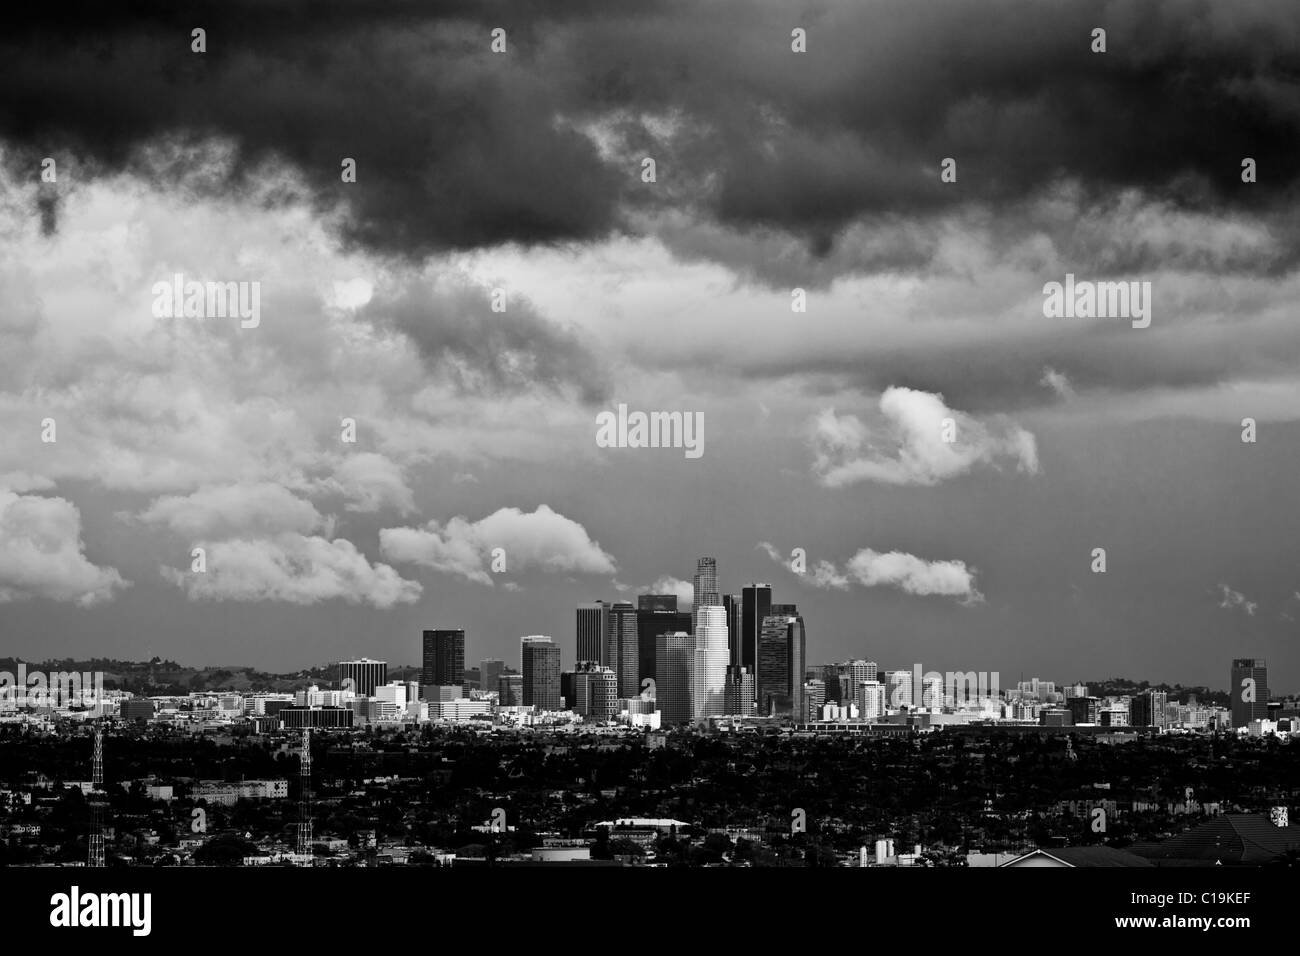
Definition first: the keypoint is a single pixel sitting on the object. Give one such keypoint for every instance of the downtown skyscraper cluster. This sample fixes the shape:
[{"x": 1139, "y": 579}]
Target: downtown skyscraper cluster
[{"x": 737, "y": 654}]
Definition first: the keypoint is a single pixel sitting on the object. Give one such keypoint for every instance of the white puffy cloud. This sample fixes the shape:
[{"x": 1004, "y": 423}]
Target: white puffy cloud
[
  {"x": 296, "y": 568},
  {"x": 543, "y": 539},
  {"x": 228, "y": 510},
  {"x": 370, "y": 482},
  {"x": 896, "y": 569},
  {"x": 41, "y": 553},
  {"x": 667, "y": 584},
  {"x": 906, "y": 445},
  {"x": 913, "y": 575}
]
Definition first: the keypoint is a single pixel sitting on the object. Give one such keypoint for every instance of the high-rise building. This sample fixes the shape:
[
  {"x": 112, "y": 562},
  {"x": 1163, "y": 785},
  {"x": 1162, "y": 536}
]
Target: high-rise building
[
  {"x": 656, "y": 602},
  {"x": 490, "y": 670},
  {"x": 510, "y": 688},
  {"x": 1084, "y": 710},
  {"x": 706, "y": 589},
  {"x": 898, "y": 690},
  {"x": 740, "y": 692},
  {"x": 593, "y": 631},
  {"x": 365, "y": 675},
  {"x": 871, "y": 700},
  {"x": 814, "y": 690},
  {"x": 541, "y": 667},
  {"x": 731, "y": 604},
  {"x": 1148, "y": 709},
  {"x": 673, "y": 676},
  {"x": 781, "y": 666},
  {"x": 655, "y": 614},
  {"x": 852, "y": 673},
  {"x": 755, "y": 605},
  {"x": 709, "y": 662},
  {"x": 830, "y": 675},
  {"x": 932, "y": 693},
  {"x": 595, "y": 690},
  {"x": 1075, "y": 690},
  {"x": 1249, "y": 690},
  {"x": 444, "y": 658},
  {"x": 622, "y": 655}
]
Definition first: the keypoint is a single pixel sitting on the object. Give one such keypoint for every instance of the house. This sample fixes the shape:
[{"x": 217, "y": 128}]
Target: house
[{"x": 1077, "y": 856}]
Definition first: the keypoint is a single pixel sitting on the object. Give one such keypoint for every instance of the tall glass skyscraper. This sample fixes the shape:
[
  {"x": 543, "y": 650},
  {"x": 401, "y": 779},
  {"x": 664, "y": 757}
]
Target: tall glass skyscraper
[
  {"x": 706, "y": 588},
  {"x": 781, "y": 663},
  {"x": 593, "y": 631},
  {"x": 656, "y": 614},
  {"x": 444, "y": 658},
  {"x": 755, "y": 605},
  {"x": 622, "y": 655},
  {"x": 710, "y": 660},
  {"x": 731, "y": 602},
  {"x": 1249, "y": 690},
  {"x": 673, "y": 666},
  {"x": 541, "y": 667}
]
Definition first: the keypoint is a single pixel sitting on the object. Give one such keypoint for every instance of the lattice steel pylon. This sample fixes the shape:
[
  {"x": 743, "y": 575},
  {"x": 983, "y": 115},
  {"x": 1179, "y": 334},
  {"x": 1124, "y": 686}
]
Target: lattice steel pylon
[
  {"x": 95, "y": 851},
  {"x": 304, "y": 800}
]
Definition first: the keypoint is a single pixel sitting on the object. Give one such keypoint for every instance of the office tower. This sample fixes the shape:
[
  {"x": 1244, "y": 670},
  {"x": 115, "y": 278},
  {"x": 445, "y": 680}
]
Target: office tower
[
  {"x": 673, "y": 676},
  {"x": 706, "y": 589},
  {"x": 798, "y": 660},
  {"x": 830, "y": 675},
  {"x": 365, "y": 675},
  {"x": 1159, "y": 707},
  {"x": 568, "y": 695},
  {"x": 898, "y": 690},
  {"x": 473, "y": 679},
  {"x": 490, "y": 670},
  {"x": 541, "y": 667},
  {"x": 931, "y": 693},
  {"x": 869, "y": 669},
  {"x": 783, "y": 610},
  {"x": 510, "y": 689},
  {"x": 656, "y": 602},
  {"x": 731, "y": 604},
  {"x": 595, "y": 690},
  {"x": 815, "y": 692},
  {"x": 622, "y": 654},
  {"x": 740, "y": 692},
  {"x": 1249, "y": 690},
  {"x": 593, "y": 631},
  {"x": 1075, "y": 690},
  {"x": 655, "y": 614},
  {"x": 781, "y": 666},
  {"x": 871, "y": 700},
  {"x": 394, "y": 694},
  {"x": 854, "y": 672},
  {"x": 1084, "y": 710},
  {"x": 709, "y": 662},
  {"x": 444, "y": 658},
  {"x": 755, "y": 605}
]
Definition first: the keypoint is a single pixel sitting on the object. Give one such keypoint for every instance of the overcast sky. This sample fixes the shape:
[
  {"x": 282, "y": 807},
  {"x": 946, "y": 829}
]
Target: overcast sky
[{"x": 523, "y": 171}]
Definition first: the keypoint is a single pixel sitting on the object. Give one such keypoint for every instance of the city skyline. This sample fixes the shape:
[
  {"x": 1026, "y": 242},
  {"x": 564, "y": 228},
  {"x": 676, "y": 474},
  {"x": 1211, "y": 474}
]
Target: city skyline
[{"x": 847, "y": 267}]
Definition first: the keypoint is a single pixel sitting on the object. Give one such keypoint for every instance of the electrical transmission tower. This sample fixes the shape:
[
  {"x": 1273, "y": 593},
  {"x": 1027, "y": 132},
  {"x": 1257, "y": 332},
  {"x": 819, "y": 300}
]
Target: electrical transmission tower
[
  {"x": 304, "y": 800},
  {"x": 95, "y": 856}
]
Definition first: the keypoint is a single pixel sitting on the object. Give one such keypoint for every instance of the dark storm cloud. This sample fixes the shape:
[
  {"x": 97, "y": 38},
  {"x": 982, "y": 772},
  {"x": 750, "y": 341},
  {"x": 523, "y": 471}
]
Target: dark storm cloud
[{"x": 458, "y": 148}]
